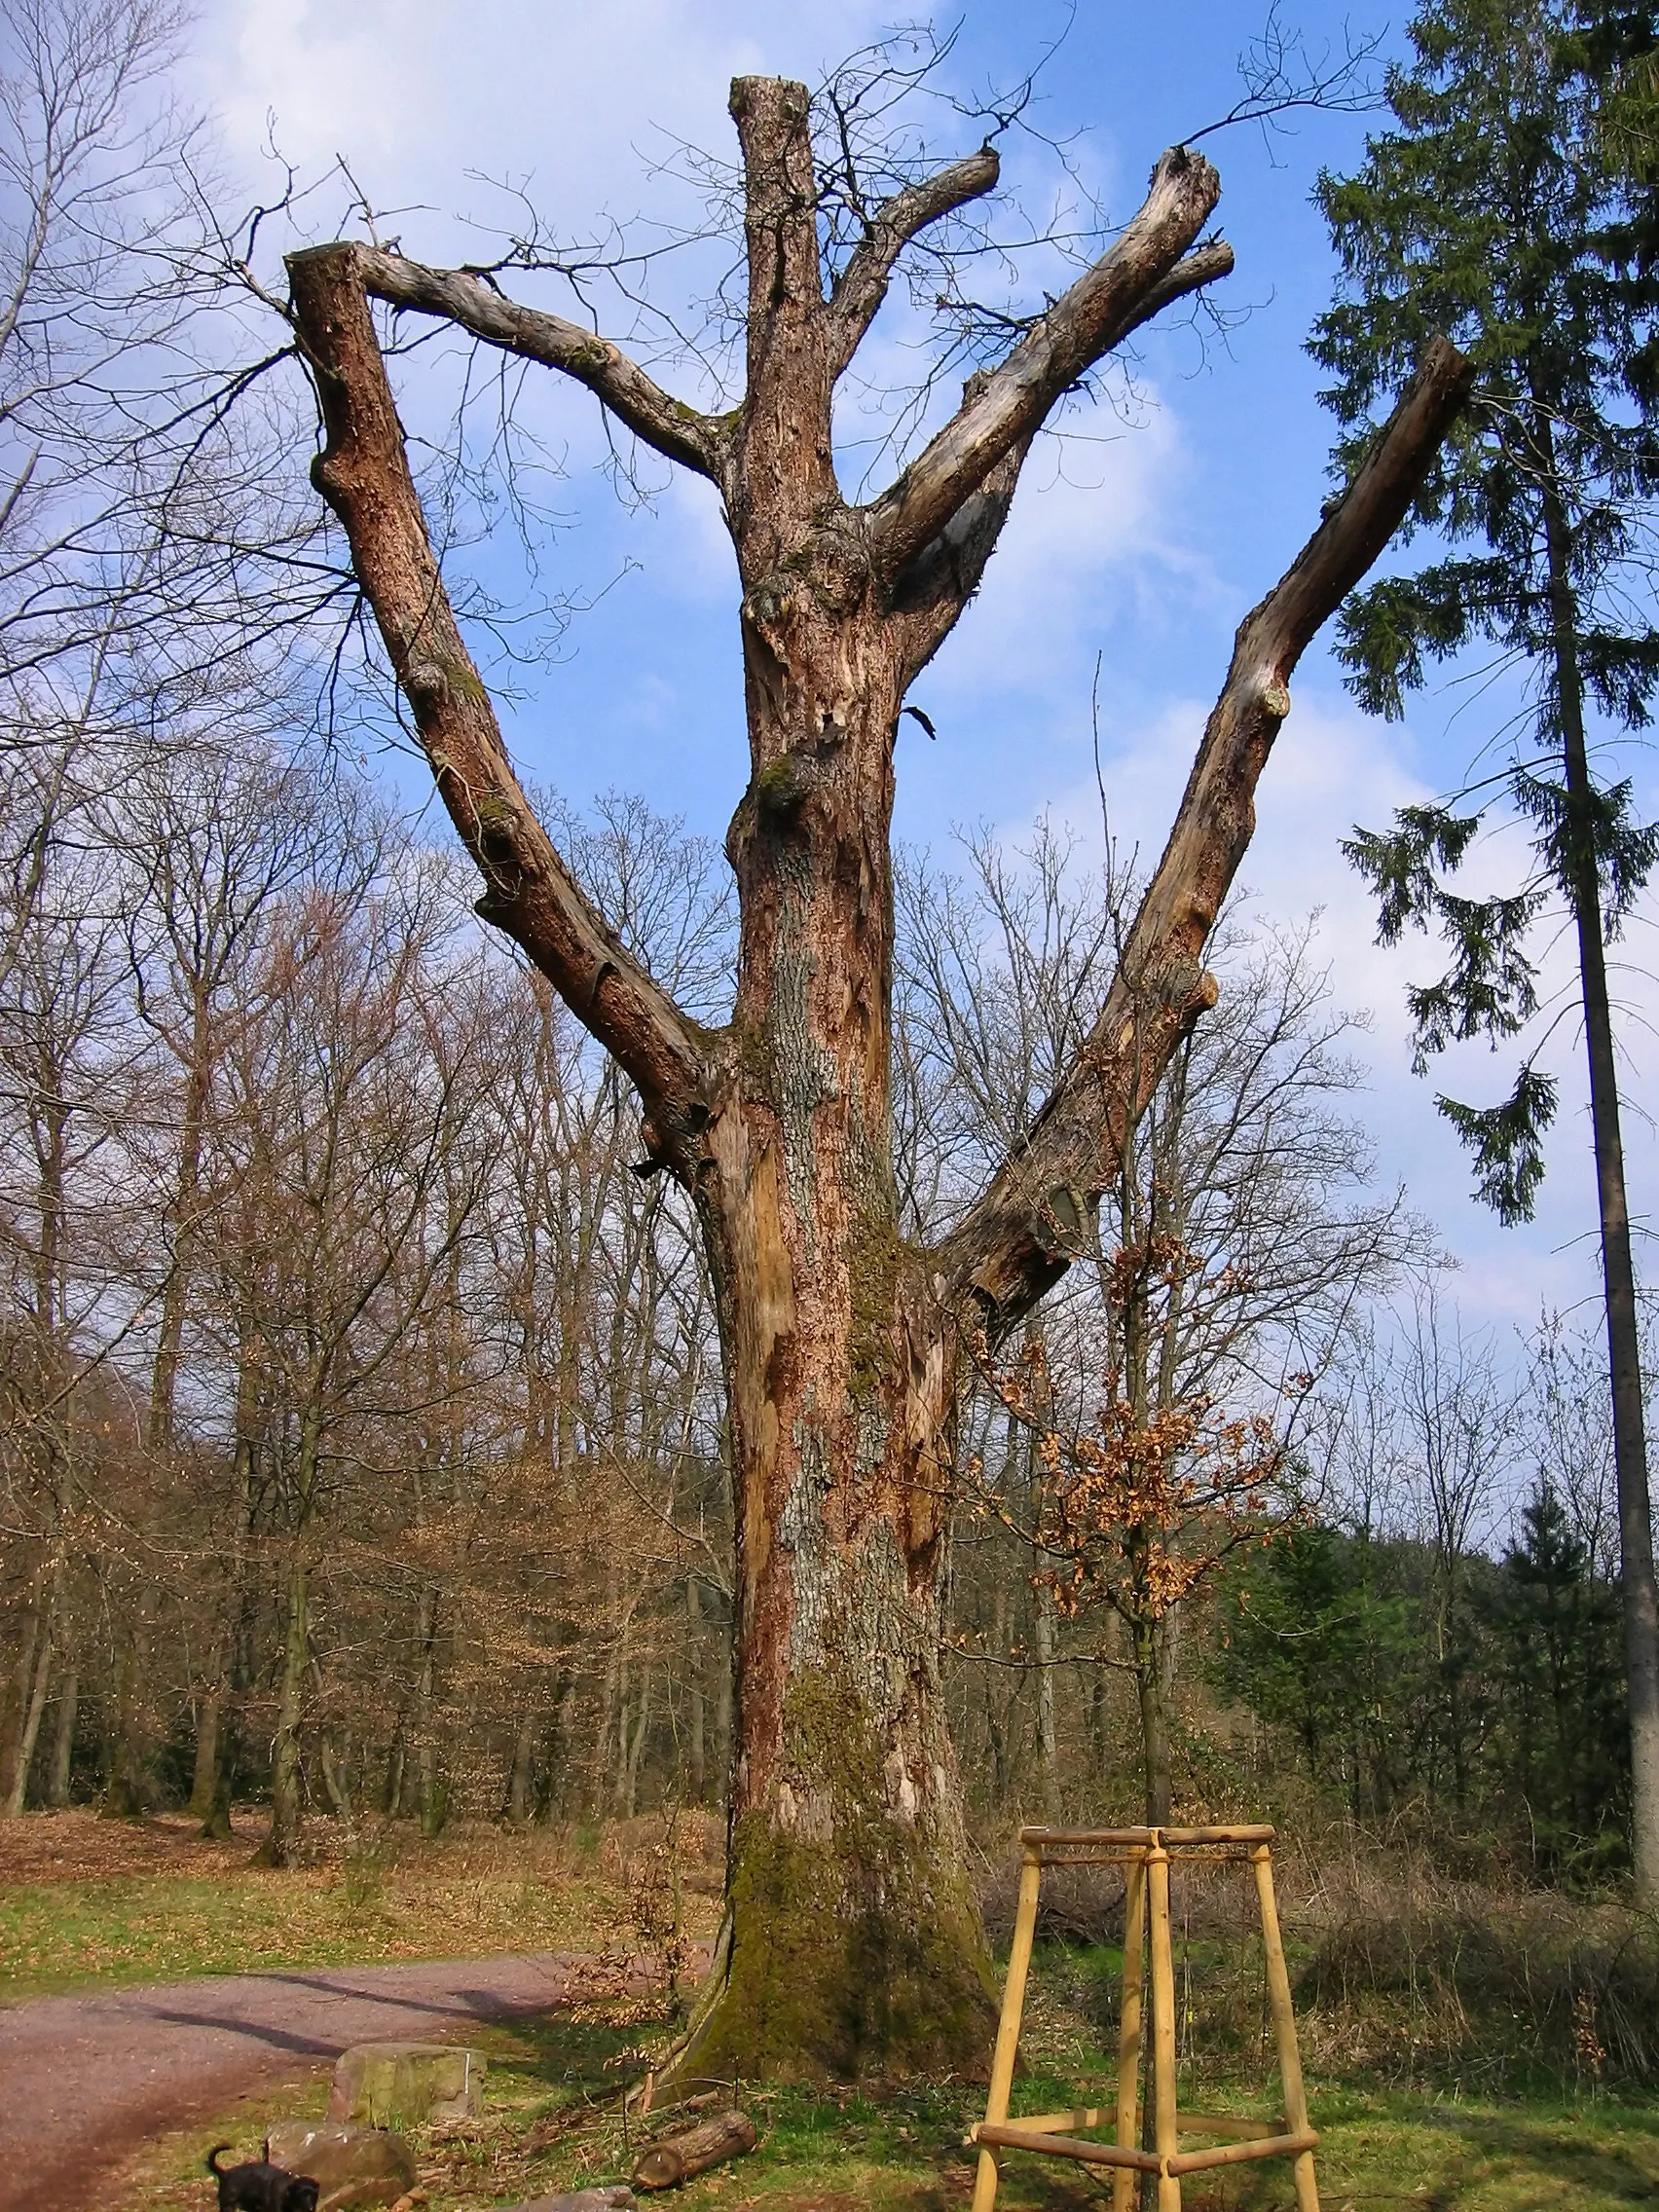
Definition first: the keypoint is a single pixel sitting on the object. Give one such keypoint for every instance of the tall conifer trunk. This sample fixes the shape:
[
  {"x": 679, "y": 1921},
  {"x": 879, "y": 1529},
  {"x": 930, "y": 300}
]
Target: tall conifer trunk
[{"x": 1639, "y": 1597}]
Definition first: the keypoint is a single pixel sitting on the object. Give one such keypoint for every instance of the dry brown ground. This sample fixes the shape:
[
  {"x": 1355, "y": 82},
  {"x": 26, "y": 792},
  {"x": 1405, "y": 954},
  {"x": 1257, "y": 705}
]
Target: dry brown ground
[{"x": 76, "y": 1846}]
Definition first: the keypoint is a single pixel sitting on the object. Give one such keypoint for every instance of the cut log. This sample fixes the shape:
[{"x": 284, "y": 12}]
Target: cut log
[{"x": 679, "y": 2156}]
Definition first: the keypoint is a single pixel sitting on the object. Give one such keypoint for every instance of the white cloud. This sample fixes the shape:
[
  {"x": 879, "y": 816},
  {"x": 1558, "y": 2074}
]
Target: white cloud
[
  {"x": 417, "y": 93},
  {"x": 1088, "y": 541}
]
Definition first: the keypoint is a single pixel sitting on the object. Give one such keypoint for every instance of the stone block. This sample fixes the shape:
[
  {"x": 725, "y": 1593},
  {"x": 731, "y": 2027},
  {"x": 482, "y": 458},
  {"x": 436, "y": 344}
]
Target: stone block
[
  {"x": 388, "y": 2084},
  {"x": 351, "y": 2166},
  {"x": 618, "y": 2197}
]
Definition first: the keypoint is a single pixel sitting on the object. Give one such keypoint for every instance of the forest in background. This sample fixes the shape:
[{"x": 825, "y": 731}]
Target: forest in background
[{"x": 362, "y": 1432}]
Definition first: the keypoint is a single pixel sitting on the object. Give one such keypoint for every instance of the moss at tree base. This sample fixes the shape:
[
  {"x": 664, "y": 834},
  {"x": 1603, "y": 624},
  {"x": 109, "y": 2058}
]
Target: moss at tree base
[{"x": 837, "y": 1972}]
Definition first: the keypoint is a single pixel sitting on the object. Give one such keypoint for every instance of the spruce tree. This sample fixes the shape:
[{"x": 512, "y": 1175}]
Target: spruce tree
[
  {"x": 1558, "y": 1719},
  {"x": 1493, "y": 209}
]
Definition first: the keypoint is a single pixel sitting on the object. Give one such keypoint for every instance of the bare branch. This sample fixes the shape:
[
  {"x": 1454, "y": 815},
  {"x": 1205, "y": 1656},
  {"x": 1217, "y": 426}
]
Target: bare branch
[
  {"x": 676, "y": 431},
  {"x": 363, "y": 473},
  {"x": 863, "y": 285},
  {"x": 1106, "y": 303},
  {"x": 1032, "y": 1220}
]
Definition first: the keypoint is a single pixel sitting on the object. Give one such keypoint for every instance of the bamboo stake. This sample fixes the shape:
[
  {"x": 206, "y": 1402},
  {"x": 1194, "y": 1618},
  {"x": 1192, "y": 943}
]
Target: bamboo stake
[
  {"x": 1124, "y": 2186},
  {"x": 1284, "y": 2029},
  {"x": 1021, "y": 2138},
  {"x": 1165, "y": 2137},
  {"x": 1008, "y": 2027},
  {"x": 1238, "y": 2153}
]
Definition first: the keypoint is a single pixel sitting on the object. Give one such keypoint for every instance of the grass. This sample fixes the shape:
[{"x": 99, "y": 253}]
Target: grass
[
  {"x": 903, "y": 2151},
  {"x": 154, "y": 1904},
  {"x": 62, "y": 1938}
]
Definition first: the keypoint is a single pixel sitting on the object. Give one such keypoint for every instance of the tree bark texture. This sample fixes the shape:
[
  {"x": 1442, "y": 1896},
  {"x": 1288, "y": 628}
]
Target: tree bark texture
[
  {"x": 852, "y": 1941},
  {"x": 1638, "y": 1593},
  {"x": 62, "y": 1761},
  {"x": 287, "y": 1801}
]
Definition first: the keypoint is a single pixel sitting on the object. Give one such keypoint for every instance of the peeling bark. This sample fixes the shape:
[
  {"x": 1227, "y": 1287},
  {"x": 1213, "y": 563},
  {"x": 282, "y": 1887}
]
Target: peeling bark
[{"x": 852, "y": 1941}]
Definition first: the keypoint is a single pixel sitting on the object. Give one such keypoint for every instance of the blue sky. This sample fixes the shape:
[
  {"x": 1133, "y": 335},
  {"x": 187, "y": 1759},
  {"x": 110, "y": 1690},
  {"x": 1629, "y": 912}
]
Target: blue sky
[{"x": 1142, "y": 541}]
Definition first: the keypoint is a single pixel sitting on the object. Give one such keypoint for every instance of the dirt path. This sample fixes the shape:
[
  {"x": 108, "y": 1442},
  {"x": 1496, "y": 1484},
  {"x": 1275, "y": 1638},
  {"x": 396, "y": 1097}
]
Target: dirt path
[{"x": 84, "y": 2080}]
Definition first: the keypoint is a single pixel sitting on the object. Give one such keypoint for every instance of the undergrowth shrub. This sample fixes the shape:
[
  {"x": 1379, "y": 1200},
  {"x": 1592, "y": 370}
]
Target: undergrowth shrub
[{"x": 1402, "y": 1973}]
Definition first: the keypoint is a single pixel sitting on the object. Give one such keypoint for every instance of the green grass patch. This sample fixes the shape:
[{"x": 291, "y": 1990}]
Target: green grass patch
[
  {"x": 63, "y": 1935},
  {"x": 554, "y": 2122}
]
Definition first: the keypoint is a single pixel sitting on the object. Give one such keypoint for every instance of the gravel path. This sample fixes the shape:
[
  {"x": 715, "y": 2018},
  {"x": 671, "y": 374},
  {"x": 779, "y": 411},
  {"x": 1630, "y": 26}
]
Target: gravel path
[{"x": 84, "y": 2080}]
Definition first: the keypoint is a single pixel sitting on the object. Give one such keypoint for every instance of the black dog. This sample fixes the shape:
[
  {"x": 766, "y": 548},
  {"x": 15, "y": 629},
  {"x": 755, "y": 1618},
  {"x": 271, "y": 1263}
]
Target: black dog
[{"x": 259, "y": 2188}]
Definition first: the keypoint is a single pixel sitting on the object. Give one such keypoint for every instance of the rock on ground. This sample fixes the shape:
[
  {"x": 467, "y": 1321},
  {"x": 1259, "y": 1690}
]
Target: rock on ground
[
  {"x": 353, "y": 2166},
  {"x": 382, "y": 2085},
  {"x": 616, "y": 2199}
]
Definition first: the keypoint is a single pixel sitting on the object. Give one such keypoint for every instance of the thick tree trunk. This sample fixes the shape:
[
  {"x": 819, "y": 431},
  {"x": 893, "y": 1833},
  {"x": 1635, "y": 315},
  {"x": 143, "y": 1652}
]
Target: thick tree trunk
[
  {"x": 853, "y": 1936},
  {"x": 1636, "y": 1582},
  {"x": 852, "y": 1939}
]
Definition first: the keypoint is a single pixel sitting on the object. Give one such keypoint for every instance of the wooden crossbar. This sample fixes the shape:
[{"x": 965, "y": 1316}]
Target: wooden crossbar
[
  {"x": 1145, "y": 1854},
  {"x": 1008, "y": 2135},
  {"x": 1143, "y": 1839},
  {"x": 1105, "y": 2115},
  {"x": 1234, "y": 2154}
]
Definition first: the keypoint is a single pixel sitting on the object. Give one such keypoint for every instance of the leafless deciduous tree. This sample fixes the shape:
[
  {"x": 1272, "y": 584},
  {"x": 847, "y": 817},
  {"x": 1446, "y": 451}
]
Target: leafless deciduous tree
[
  {"x": 1237, "y": 1243},
  {"x": 852, "y": 1939}
]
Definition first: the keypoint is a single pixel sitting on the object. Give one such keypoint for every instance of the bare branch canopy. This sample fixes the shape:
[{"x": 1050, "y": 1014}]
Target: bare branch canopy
[{"x": 698, "y": 441}]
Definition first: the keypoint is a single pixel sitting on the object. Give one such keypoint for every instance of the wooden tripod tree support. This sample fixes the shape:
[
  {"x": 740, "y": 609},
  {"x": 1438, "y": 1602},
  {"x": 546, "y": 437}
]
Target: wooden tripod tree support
[{"x": 1145, "y": 1853}]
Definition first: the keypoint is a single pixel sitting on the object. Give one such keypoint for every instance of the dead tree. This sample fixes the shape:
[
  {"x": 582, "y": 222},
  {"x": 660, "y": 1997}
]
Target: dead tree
[{"x": 852, "y": 1941}]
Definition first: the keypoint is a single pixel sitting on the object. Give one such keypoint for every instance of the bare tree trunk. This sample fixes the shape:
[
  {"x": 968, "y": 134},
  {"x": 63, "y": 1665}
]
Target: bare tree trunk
[
  {"x": 519, "y": 1769},
  {"x": 636, "y": 1746},
  {"x": 1152, "y": 1687},
  {"x": 18, "y": 1794},
  {"x": 124, "y": 1795},
  {"x": 19, "y": 1692},
  {"x": 697, "y": 1764},
  {"x": 395, "y": 1765},
  {"x": 210, "y": 1789},
  {"x": 59, "y": 1766},
  {"x": 425, "y": 1732},
  {"x": 1043, "y": 1652},
  {"x": 287, "y": 1805},
  {"x": 335, "y": 1783},
  {"x": 182, "y": 1222}
]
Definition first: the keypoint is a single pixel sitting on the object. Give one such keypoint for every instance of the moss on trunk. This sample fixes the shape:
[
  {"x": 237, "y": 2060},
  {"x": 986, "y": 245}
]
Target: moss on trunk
[{"x": 854, "y": 1946}]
